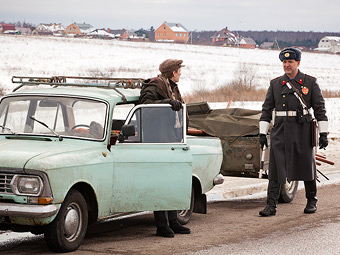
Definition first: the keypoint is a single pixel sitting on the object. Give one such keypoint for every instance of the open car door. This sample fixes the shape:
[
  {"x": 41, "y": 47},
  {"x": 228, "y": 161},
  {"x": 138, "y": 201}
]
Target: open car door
[{"x": 153, "y": 167}]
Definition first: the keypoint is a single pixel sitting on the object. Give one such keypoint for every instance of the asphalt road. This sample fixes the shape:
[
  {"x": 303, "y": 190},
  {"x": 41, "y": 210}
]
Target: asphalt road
[{"x": 230, "y": 227}]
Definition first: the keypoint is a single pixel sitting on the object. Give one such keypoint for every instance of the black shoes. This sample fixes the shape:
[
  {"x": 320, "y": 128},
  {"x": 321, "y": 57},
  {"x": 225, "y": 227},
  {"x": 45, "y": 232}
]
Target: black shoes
[
  {"x": 178, "y": 228},
  {"x": 169, "y": 231},
  {"x": 311, "y": 206},
  {"x": 165, "y": 231},
  {"x": 268, "y": 211}
]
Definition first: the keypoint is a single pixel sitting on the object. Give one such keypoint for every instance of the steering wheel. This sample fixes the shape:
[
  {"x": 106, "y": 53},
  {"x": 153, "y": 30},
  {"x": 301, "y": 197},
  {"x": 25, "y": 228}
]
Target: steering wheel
[{"x": 77, "y": 128}]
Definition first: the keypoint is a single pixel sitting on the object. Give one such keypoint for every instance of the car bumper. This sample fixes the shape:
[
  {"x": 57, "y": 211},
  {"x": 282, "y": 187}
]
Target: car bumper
[
  {"x": 219, "y": 179},
  {"x": 24, "y": 210}
]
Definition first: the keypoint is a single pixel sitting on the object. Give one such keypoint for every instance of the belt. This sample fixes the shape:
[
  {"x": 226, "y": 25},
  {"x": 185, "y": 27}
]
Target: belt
[{"x": 288, "y": 113}]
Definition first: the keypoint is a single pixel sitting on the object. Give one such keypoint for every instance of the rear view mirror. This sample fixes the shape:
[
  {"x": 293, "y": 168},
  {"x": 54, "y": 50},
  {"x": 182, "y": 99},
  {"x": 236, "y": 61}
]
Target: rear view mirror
[{"x": 127, "y": 130}]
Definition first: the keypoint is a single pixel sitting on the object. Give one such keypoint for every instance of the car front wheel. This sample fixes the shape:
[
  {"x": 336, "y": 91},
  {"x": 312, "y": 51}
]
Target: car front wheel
[{"x": 68, "y": 229}]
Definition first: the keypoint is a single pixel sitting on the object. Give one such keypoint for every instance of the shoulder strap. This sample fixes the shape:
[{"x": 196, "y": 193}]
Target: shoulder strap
[{"x": 298, "y": 95}]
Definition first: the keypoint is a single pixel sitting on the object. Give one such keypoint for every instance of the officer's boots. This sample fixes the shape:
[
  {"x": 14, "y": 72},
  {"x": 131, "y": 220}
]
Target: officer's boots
[
  {"x": 273, "y": 193},
  {"x": 310, "y": 188}
]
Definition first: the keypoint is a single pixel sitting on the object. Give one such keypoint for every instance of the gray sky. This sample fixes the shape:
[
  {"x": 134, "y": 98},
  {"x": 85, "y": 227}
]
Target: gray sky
[{"x": 298, "y": 15}]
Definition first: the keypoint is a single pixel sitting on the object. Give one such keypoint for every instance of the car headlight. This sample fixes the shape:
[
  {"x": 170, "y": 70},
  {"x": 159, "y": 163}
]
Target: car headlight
[
  {"x": 26, "y": 185},
  {"x": 249, "y": 156}
]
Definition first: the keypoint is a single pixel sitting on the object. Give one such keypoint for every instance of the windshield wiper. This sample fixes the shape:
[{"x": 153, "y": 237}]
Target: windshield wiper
[
  {"x": 8, "y": 129},
  {"x": 45, "y": 125}
]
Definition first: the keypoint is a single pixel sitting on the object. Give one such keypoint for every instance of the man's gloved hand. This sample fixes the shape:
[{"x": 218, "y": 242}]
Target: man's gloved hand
[
  {"x": 323, "y": 141},
  {"x": 175, "y": 105},
  {"x": 263, "y": 140}
]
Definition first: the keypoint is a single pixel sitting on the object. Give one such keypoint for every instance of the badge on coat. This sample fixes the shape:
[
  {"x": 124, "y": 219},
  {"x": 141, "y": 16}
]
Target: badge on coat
[{"x": 305, "y": 90}]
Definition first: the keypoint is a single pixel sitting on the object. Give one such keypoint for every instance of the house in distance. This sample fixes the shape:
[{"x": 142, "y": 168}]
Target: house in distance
[
  {"x": 329, "y": 44},
  {"x": 225, "y": 37},
  {"x": 171, "y": 32},
  {"x": 78, "y": 29}
]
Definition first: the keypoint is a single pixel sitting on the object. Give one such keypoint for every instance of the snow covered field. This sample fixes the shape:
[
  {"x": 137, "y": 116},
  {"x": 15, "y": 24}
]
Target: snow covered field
[{"x": 206, "y": 66}]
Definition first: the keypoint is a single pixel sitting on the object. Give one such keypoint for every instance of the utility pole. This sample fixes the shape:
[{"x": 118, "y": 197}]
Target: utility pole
[
  {"x": 190, "y": 37},
  {"x": 276, "y": 44}
]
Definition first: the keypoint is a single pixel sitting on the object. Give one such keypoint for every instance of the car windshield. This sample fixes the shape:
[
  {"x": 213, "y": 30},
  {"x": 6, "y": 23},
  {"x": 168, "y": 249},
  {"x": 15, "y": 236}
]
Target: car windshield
[{"x": 53, "y": 116}]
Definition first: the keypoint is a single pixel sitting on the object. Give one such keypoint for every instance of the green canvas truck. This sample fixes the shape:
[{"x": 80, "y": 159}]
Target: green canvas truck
[{"x": 74, "y": 153}]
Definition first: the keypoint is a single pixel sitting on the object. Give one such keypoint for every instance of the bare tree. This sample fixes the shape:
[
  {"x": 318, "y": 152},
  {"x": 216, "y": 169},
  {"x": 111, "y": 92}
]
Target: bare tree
[{"x": 245, "y": 75}]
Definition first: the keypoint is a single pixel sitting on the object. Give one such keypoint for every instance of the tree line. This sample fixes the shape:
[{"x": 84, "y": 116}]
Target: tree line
[{"x": 284, "y": 38}]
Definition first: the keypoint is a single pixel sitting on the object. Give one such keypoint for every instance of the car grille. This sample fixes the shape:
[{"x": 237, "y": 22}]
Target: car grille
[{"x": 5, "y": 180}]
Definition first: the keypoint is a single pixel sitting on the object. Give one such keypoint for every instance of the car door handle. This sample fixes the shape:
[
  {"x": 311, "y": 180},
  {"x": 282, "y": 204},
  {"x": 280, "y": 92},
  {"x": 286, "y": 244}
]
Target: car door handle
[{"x": 186, "y": 148}]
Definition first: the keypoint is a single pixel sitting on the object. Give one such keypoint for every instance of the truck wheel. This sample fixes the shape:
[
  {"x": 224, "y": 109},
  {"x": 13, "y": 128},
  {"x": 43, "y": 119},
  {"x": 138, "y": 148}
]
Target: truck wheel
[
  {"x": 67, "y": 230},
  {"x": 184, "y": 216},
  {"x": 288, "y": 191}
]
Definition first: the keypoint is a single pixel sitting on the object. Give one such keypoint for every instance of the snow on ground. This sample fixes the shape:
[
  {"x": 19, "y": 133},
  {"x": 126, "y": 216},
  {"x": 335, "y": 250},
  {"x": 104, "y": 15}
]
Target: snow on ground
[{"x": 206, "y": 66}]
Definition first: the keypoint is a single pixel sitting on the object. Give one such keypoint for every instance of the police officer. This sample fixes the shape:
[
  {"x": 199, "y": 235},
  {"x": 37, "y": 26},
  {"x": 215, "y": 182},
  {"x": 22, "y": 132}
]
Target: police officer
[
  {"x": 164, "y": 89},
  {"x": 292, "y": 155}
]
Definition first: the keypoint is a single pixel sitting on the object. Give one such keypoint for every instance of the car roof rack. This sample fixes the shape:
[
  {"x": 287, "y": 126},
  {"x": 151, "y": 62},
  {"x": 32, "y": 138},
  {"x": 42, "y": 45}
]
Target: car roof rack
[{"x": 80, "y": 81}]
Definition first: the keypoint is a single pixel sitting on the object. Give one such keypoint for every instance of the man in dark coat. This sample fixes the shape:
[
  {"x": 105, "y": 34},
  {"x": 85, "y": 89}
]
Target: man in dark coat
[
  {"x": 158, "y": 90},
  {"x": 292, "y": 155}
]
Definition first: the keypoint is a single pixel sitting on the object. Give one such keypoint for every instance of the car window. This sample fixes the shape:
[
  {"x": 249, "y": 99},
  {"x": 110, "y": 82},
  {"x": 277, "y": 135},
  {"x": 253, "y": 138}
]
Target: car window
[
  {"x": 157, "y": 125},
  {"x": 68, "y": 116},
  {"x": 120, "y": 113}
]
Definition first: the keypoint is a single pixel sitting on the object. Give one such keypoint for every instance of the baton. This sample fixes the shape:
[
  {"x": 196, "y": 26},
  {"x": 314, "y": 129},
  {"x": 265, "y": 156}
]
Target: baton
[
  {"x": 322, "y": 174},
  {"x": 262, "y": 162}
]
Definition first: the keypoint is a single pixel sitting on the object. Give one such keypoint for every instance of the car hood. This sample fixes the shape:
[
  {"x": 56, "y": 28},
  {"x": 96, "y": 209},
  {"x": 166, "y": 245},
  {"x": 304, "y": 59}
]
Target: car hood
[{"x": 43, "y": 155}]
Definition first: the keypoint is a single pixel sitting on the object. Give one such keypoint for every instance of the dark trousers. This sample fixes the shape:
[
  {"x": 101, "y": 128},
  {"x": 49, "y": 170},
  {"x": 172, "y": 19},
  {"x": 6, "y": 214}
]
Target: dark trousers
[
  {"x": 273, "y": 193},
  {"x": 310, "y": 188},
  {"x": 274, "y": 188},
  {"x": 162, "y": 218}
]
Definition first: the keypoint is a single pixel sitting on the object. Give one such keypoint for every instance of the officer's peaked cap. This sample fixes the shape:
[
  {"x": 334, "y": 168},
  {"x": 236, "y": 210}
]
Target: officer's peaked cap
[{"x": 290, "y": 53}]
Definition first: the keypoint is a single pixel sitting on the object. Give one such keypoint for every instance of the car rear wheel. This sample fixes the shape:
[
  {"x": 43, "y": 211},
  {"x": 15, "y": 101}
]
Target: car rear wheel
[
  {"x": 184, "y": 216},
  {"x": 68, "y": 229},
  {"x": 288, "y": 191}
]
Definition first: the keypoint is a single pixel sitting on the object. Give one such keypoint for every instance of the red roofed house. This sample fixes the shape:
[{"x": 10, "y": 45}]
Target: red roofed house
[
  {"x": 172, "y": 32},
  {"x": 4, "y": 27}
]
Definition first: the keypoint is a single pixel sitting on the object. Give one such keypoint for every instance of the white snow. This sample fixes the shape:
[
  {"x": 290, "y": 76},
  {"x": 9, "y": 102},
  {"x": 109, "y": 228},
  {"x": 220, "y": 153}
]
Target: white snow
[
  {"x": 205, "y": 66},
  {"x": 177, "y": 29}
]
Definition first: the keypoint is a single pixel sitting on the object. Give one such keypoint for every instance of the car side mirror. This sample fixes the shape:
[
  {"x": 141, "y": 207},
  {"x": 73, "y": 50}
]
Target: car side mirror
[{"x": 127, "y": 130}]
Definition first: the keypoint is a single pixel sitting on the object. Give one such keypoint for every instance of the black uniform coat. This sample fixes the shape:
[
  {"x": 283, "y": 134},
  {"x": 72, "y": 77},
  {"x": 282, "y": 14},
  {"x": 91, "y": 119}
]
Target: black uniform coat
[{"x": 292, "y": 156}]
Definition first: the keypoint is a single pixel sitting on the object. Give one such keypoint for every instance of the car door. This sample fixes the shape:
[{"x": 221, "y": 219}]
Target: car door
[{"x": 153, "y": 169}]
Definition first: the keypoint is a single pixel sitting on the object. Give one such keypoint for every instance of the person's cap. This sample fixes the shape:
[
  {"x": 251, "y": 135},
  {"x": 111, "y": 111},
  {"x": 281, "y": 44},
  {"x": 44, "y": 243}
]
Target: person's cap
[
  {"x": 170, "y": 65},
  {"x": 290, "y": 53}
]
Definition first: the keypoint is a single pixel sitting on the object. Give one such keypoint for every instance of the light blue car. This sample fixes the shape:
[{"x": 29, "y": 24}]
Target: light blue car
[{"x": 74, "y": 153}]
